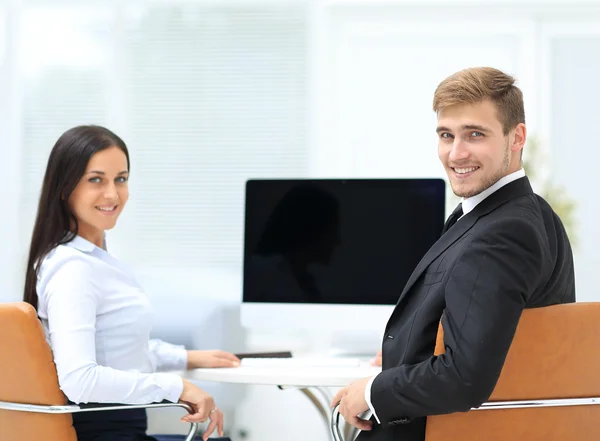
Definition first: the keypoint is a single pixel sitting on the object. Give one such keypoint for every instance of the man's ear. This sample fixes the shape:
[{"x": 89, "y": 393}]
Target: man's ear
[{"x": 520, "y": 136}]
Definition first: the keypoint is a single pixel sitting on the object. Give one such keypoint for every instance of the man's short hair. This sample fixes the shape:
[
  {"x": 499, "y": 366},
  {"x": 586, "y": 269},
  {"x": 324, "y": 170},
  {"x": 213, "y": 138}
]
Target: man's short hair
[{"x": 470, "y": 86}]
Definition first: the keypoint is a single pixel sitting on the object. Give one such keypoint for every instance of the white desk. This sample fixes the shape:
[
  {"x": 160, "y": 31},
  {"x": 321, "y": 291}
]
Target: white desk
[{"x": 305, "y": 379}]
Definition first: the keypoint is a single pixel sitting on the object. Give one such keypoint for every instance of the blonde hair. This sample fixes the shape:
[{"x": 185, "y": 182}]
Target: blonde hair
[{"x": 470, "y": 86}]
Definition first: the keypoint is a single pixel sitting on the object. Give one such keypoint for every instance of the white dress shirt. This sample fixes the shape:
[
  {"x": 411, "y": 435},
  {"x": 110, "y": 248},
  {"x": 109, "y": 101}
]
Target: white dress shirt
[
  {"x": 97, "y": 321},
  {"x": 468, "y": 204}
]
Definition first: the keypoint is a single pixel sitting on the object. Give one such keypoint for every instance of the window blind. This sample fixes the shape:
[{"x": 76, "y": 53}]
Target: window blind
[
  {"x": 65, "y": 82},
  {"x": 205, "y": 96},
  {"x": 216, "y": 94}
]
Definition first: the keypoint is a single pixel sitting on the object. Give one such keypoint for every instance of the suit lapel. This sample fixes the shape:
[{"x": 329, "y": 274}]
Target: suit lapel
[
  {"x": 452, "y": 235},
  {"x": 517, "y": 188}
]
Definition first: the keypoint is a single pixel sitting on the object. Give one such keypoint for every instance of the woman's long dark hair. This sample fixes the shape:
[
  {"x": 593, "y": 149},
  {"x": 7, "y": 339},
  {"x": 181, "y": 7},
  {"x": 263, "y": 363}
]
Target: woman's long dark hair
[{"x": 55, "y": 223}]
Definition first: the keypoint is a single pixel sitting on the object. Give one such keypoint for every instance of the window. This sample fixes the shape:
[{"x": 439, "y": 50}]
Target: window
[
  {"x": 64, "y": 75},
  {"x": 205, "y": 96},
  {"x": 214, "y": 95}
]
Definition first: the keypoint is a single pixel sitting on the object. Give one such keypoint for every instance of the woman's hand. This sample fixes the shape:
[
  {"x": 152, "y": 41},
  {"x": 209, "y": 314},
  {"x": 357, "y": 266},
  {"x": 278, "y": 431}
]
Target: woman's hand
[
  {"x": 211, "y": 359},
  {"x": 204, "y": 408}
]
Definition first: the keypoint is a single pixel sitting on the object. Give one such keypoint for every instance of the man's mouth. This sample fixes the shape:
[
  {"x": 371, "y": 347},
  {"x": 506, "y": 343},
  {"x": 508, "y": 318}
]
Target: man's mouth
[{"x": 464, "y": 170}]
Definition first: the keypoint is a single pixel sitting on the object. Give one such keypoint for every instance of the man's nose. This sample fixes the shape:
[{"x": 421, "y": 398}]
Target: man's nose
[{"x": 458, "y": 151}]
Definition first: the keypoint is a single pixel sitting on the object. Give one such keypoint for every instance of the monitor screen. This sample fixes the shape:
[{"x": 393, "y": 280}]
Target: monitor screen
[{"x": 337, "y": 241}]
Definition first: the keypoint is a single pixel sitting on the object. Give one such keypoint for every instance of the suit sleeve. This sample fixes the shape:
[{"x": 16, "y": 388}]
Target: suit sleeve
[{"x": 486, "y": 292}]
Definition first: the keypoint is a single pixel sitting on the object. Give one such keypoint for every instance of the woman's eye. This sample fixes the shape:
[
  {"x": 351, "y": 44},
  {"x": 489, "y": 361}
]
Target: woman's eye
[
  {"x": 95, "y": 180},
  {"x": 121, "y": 180}
]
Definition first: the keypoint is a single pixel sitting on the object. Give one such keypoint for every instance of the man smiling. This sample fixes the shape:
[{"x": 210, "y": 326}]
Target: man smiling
[{"x": 503, "y": 249}]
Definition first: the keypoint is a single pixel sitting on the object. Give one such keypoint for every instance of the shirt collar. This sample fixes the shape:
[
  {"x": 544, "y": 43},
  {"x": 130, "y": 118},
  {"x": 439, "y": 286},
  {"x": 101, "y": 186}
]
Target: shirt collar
[
  {"x": 468, "y": 204},
  {"x": 81, "y": 244}
]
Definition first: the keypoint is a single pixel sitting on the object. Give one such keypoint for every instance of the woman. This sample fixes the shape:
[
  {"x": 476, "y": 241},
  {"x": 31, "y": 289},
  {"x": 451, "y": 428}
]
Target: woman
[{"x": 96, "y": 317}]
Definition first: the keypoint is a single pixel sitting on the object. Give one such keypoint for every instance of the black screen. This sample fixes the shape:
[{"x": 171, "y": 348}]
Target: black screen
[{"x": 351, "y": 241}]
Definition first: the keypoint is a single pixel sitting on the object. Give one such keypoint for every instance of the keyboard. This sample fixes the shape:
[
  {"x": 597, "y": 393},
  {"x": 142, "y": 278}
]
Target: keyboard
[{"x": 295, "y": 362}]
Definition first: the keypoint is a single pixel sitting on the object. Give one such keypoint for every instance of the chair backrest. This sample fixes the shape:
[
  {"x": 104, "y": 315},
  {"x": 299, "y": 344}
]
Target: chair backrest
[
  {"x": 28, "y": 375},
  {"x": 555, "y": 354}
]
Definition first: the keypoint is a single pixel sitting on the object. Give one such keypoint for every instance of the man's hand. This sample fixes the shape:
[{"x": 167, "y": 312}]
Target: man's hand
[
  {"x": 211, "y": 359},
  {"x": 377, "y": 361},
  {"x": 352, "y": 403}
]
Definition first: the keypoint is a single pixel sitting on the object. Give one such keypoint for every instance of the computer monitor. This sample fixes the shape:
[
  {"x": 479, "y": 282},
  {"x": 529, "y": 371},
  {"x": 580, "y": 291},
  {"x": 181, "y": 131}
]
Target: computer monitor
[{"x": 334, "y": 253}]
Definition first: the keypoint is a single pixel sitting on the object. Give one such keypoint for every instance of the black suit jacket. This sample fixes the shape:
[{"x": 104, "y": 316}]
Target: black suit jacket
[{"x": 511, "y": 252}]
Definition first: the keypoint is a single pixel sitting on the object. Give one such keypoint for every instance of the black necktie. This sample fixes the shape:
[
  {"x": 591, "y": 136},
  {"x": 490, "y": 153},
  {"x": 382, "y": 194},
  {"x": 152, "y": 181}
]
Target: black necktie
[{"x": 456, "y": 214}]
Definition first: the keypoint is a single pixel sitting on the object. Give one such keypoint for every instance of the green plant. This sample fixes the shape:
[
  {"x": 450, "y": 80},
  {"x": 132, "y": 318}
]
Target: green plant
[{"x": 535, "y": 160}]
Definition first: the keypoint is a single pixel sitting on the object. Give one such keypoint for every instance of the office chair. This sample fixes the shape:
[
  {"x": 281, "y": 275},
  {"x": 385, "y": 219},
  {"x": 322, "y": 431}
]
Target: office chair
[
  {"x": 32, "y": 406},
  {"x": 548, "y": 389}
]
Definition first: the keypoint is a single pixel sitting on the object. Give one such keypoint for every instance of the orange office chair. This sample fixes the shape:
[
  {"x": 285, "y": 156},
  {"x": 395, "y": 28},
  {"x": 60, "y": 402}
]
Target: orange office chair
[
  {"x": 548, "y": 389},
  {"x": 31, "y": 404}
]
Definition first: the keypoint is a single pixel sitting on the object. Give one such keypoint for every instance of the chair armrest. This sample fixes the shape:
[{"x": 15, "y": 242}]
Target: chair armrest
[
  {"x": 78, "y": 408},
  {"x": 335, "y": 424},
  {"x": 493, "y": 405},
  {"x": 523, "y": 404}
]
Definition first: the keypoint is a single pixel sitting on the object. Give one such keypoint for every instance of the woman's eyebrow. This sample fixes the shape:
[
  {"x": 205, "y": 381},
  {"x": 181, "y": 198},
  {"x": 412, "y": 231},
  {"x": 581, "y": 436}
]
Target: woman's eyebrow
[{"x": 124, "y": 172}]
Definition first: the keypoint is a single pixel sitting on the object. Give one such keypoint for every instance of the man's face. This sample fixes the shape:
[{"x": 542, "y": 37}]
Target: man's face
[{"x": 473, "y": 148}]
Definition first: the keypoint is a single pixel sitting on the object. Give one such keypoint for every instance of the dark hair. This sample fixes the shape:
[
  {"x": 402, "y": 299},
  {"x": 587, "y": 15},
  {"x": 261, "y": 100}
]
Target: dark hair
[{"x": 55, "y": 223}]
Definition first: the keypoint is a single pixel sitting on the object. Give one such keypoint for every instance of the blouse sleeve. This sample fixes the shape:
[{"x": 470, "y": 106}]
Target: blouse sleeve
[
  {"x": 167, "y": 357},
  {"x": 72, "y": 299}
]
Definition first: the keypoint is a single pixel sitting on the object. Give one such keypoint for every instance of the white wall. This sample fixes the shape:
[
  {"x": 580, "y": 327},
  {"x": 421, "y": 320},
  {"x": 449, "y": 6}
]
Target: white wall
[
  {"x": 10, "y": 158},
  {"x": 574, "y": 61}
]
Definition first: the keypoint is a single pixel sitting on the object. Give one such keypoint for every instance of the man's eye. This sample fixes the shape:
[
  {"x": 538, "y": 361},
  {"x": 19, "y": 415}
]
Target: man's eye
[
  {"x": 445, "y": 135},
  {"x": 476, "y": 134}
]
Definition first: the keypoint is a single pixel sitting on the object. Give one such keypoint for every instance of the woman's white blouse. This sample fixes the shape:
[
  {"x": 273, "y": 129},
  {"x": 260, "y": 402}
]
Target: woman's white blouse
[{"x": 97, "y": 320}]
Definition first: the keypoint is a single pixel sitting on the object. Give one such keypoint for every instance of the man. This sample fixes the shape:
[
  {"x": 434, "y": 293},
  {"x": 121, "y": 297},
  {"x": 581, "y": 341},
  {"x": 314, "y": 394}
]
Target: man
[{"x": 507, "y": 251}]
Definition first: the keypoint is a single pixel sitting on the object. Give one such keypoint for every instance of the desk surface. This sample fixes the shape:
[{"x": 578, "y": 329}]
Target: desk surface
[{"x": 286, "y": 376}]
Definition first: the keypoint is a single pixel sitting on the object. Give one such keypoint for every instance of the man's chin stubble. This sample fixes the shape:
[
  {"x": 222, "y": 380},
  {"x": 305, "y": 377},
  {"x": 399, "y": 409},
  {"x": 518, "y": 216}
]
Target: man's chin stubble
[{"x": 467, "y": 194}]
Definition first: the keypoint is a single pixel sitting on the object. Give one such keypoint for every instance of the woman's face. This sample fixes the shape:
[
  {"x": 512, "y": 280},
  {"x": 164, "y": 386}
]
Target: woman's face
[{"x": 101, "y": 194}]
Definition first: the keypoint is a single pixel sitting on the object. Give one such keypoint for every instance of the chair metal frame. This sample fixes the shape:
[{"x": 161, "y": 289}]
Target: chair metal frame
[
  {"x": 62, "y": 409},
  {"x": 492, "y": 405}
]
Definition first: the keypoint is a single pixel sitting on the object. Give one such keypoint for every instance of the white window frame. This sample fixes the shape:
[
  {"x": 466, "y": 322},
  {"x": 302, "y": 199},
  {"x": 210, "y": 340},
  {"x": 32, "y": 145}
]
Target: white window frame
[
  {"x": 549, "y": 31},
  {"x": 334, "y": 159}
]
